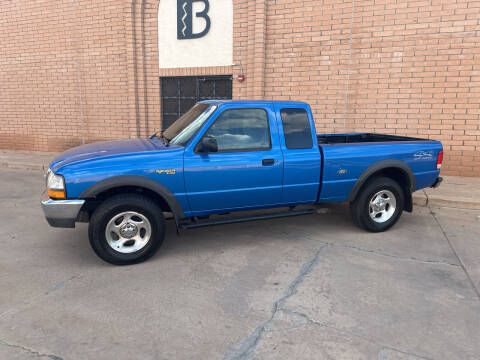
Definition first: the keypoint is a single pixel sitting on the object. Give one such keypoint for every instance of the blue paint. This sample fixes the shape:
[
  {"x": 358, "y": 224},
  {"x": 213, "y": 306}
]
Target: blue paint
[
  {"x": 219, "y": 182},
  {"x": 357, "y": 157}
]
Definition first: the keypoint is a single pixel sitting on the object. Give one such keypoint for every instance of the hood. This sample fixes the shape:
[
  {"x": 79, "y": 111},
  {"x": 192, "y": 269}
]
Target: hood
[{"x": 106, "y": 149}]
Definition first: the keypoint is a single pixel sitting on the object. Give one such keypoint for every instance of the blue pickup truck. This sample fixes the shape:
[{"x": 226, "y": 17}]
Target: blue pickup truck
[{"x": 222, "y": 157}]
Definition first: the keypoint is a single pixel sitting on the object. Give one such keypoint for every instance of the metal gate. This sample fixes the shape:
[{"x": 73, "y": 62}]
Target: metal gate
[{"x": 179, "y": 94}]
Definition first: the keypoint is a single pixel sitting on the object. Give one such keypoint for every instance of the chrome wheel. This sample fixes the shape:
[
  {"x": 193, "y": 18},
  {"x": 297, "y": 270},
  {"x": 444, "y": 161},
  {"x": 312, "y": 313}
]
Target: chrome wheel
[
  {"x": 128, "y": 232},
  {"x": 382, "y": 206}
]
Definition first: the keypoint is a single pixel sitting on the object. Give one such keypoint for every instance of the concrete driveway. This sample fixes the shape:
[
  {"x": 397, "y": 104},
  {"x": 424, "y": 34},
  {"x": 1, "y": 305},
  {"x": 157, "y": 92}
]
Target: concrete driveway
[{"x": 311, "y": 287}]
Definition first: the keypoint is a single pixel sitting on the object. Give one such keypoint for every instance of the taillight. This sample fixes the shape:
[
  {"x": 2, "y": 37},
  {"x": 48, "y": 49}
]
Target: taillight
[{"x": 439, "y": 159}]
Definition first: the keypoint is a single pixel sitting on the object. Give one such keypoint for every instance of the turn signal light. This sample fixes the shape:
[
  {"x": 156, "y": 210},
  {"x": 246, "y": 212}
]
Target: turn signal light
[
  {"x": 56, "y": 194},
  {"x": 439, "y": 159}
]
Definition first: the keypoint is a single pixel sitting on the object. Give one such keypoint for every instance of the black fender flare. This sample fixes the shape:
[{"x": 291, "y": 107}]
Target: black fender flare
[
  {"x": 140, "y": 181},
  {"x": 385, "y": 164}
]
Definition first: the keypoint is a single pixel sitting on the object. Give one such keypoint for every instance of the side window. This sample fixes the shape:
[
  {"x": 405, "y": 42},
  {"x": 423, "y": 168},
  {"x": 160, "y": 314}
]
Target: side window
[
  {"x": 241, "y": 130},
  {"x": 296, "y": 127}
]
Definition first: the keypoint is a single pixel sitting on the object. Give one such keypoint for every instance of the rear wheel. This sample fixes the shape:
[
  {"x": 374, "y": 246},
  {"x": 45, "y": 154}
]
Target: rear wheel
[
  {"x": 126, "y": 229},
  {"x": 379, "y": 205}
]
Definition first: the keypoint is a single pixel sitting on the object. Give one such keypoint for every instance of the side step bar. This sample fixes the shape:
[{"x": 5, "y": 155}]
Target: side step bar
[{"x": 239, "y": 219}]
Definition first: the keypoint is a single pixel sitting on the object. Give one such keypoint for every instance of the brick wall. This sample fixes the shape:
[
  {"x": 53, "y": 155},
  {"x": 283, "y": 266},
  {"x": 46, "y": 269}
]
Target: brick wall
[
  {"x": 75, "y": 71},
  {"x": 400, "y": 67},
  {"x": 62, "y": 78}
]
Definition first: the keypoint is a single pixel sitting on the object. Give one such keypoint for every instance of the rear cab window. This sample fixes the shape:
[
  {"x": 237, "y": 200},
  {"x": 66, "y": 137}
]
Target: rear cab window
[{"x": 296, "y": 128}]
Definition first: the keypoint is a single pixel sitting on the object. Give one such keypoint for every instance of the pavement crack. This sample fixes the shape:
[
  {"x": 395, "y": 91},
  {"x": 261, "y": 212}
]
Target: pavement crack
[
  {"x": 427, "y": 199},
  {"x": 462, "y": 265},
  {"x": 246, "y": 348},
  {"x": 385, "y": 254},
  {"x": 381, "y": 357},
  {"x": 61, "y": 284},
  {"x": 30, "y": 351},
  {"x": 25, "y": 304},
  {"x": 306, "y": 320}
]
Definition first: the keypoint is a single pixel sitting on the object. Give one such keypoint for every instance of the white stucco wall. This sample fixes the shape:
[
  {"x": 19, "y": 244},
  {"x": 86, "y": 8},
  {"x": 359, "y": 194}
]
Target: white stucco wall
[{"x": 214, "y": 49}]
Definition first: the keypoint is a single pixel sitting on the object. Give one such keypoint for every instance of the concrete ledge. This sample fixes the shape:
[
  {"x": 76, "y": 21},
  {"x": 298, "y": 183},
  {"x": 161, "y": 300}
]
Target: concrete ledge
[
  {"x": 453, "y": 202},
  {"x": 420, "y": 198},
  {"x": 28, "y": 160},
  {"x": 455, "y": 191}
]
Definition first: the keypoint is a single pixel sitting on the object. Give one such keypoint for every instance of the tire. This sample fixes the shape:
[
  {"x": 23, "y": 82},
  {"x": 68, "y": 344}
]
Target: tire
[
  {"x": 388, "y": 200},
  {"x": 136, "y": 229}
]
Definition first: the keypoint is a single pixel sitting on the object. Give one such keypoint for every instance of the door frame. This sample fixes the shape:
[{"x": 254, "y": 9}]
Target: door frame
[
  {"x": 196, "y": 98},
  {"x": 275, "y": 145}
]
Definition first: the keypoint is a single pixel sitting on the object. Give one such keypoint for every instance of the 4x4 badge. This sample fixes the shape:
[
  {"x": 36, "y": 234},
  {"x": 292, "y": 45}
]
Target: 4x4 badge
[{"x": 166, "y": 171}]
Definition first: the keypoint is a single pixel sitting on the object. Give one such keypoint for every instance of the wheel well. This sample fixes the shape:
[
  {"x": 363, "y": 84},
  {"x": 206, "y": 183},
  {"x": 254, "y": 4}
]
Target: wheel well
[
  {"x": 91, "y": 204},
  {"x": 398, "y": 175}
]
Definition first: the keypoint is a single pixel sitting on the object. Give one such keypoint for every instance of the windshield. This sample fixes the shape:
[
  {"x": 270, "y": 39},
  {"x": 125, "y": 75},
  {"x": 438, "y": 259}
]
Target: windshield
[{"x": 182, "y": 130}]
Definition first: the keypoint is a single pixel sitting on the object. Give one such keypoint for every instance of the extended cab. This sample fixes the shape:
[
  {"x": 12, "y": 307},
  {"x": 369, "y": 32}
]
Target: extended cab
[{"x": 227, "y": 156}]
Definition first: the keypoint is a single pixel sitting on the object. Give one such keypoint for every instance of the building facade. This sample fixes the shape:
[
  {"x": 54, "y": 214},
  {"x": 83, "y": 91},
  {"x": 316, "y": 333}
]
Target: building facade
[{"x": 78, "y": 71}]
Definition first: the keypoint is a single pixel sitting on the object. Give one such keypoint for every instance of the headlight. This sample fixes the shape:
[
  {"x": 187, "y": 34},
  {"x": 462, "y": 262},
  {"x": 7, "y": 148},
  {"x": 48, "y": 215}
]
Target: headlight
[{"x": 55, "y": 185}]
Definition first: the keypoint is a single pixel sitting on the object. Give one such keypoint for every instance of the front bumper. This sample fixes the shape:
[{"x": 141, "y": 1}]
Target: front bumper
[{"x": 61, "y": 213}]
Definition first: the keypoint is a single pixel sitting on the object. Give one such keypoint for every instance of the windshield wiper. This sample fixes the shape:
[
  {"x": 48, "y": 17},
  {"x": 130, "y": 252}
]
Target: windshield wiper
[
  {"x": 161, "y": 136},
  {"x": 165, "y": 139},
  {"x": 153, "y": 136}
]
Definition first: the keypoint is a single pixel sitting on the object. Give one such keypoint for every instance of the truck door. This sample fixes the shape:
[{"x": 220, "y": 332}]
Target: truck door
[
  {"x": 301, "y": 155},
  {"x": 246, "y": 171}
]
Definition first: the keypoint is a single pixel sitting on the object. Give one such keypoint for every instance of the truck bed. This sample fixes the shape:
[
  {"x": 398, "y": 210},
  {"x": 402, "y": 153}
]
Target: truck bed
[
  {"x": 346, "y": 156},
  {"x": 361, "y": 138}
]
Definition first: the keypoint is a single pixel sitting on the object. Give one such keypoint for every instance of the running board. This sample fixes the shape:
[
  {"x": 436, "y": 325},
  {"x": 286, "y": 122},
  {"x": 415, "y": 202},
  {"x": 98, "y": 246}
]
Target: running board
[{"x": 240, "y": 219}]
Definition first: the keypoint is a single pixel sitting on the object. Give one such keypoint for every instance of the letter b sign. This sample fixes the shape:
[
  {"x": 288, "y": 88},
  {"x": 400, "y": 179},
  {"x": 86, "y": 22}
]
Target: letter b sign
[{"x": 185, "y": 19}]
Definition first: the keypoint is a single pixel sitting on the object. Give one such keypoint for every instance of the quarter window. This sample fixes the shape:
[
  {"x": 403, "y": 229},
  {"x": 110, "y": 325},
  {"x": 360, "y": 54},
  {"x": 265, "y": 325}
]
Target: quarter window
[
  {"x": 296, "y": 128},
  {"x": 241, "y": 130}
]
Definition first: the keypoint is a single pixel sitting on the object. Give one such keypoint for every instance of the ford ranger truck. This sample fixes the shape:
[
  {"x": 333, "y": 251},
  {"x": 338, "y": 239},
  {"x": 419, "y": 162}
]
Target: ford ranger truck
[{"x": 222, "y": 157}]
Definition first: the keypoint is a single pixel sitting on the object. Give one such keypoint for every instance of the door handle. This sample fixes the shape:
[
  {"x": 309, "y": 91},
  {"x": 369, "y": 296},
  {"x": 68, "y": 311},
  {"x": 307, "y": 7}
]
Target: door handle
[{"x": 266, "y": 162}]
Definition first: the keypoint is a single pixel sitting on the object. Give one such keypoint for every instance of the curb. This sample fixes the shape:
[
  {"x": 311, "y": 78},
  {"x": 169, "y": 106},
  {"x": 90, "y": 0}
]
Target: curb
[
  {"x": 19, "y": 166},
  {"x": 421, "y": 198},
  {"x": 25, "y": 160}
]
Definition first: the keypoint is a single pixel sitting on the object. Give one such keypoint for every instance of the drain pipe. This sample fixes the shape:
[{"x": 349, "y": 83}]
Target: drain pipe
[
  {"x": 144, "y": 58},
  {"x": 135, "y": 66}
]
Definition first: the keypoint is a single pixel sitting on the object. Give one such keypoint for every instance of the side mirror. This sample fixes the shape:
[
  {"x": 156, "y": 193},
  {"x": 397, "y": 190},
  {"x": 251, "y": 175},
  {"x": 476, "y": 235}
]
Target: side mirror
[{"x": 207, "y": 145}]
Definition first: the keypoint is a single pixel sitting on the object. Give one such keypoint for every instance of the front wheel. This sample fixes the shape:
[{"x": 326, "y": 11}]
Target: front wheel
[
  {"x": 379, "y": 205},
  {"x": 126, "y": 229}
]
